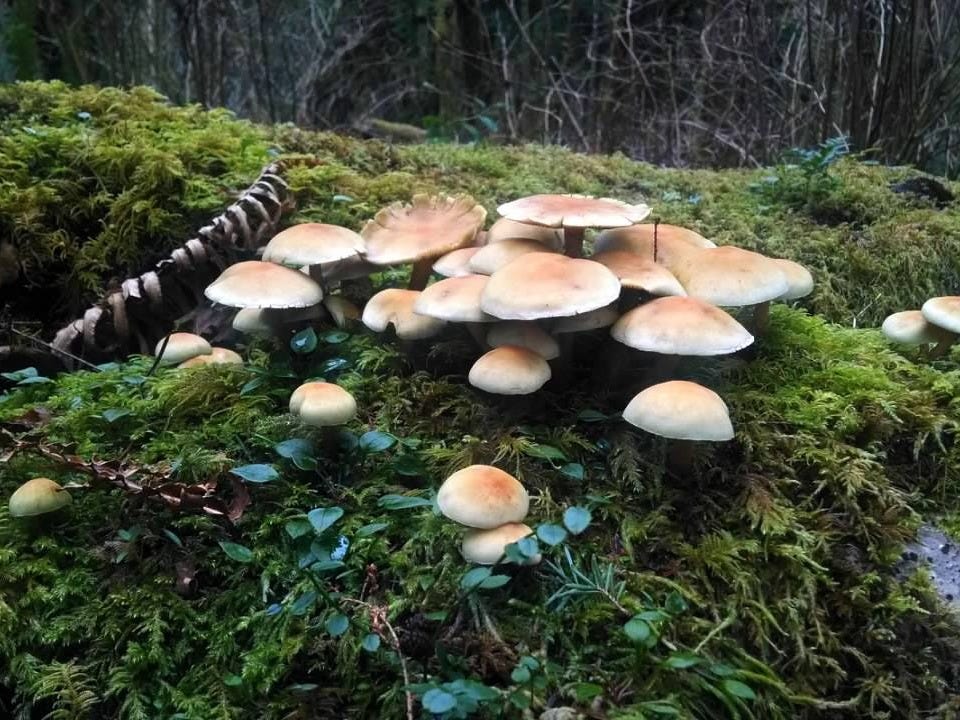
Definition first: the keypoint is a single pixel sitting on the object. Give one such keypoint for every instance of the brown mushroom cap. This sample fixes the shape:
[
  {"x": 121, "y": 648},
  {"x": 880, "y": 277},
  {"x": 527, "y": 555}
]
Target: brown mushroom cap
[
  {"x": 682, "y": 410},
  {"x": 491, "y": 258},
  {"x": 546, "y": 285},
  {"x": 182, "y": 346},
  {"x": 577, "y": 211},
  {"x": 218, "y": 356},
  {"x": 312, "y": 244},
  {"x": 482, "y": 496},
  {"x": 681, "y": 326},
  {"x": 322, "y": 404},
  {"x": 527, "y": 335},
  {"x": 672, "y": 245},
  {"x": 506, "y": 229},
  {"x": 640, "y": 273},
  {"x": 731, "y": 276},
  {"x": 38, "y": 496},
  {"x": 510, "y": 370},
  {"x": 455, "y": 263},
  {"x": 454, "y": 299},
  {"x": 427, "y": 228},
  {"x": 943, "y": 312},
  {"x": 910, "y": 327},
  {"x": 487, "y": 547},
  {"x": 599, "y": 318},
  {"x": 395, "y": 306},
  {"x": 799, "y": 279},
  {"x": 261, "y": 284}
]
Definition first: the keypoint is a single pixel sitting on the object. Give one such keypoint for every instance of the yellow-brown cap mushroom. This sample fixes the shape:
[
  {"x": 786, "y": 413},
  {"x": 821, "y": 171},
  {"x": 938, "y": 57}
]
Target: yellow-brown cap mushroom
[
  {"x": 455, "y": 263},
  {"x": 910, "y": 327},
  {"x": 681, "y": 326},
  {"x": 943, "y": 312},
  {"x": 343, "y": 312},
  {"x": 38, "y": 496},
  {"x": 799, "y": 279},
  {"x": 510, "y": 370},
  {"x": 668, "y": 243},
  {"x": 218, "y": 356},
  {"x": 681, "y": 410},
  {"x": 491, "y": 258},
  {"x": 506, "y": 229},
  {"x": 483, "y": 496},
  {"x": 731, "y": 277},
  {"x": 181, "y": 346},
  {"x": 524, "y": 334},
  {"x": 395, "y": 306},
  {"x": 323, "y": 404},
  {"x": 487, "y": 547},
  {"x": 313, "y": 244},
  {"x": 259, "y": 284},
  {"x": 454, "y": 299},
  {"x": 592, "y": 320},
  {"x": 640, "y": 273}
]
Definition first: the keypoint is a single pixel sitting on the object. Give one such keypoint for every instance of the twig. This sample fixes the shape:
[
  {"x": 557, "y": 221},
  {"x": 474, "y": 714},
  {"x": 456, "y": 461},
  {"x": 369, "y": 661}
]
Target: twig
[{"x": 54, "y": 350}]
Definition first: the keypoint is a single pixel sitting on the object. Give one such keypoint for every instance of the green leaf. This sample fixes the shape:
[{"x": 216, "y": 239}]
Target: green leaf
[
  {"x": 682, "y": 660},
  {"x": 294, "y": 449},
  {"x": 335, "y": 337},
  {"x": 573, "y": 470},
  {"x": 372, "y": 529},
  {"x": 257, "y": 473},
  {"x": 438, "y": 701},
  {"x": 585, "y": 691},
  {"x": 173, "y": 537},
  {"x": 337, "y": 625},
  {"x": 675, "y": 603},
  {"x": 304, "y": 342},
  {"x": 114, "y": 414},
  {"x": 637, "y": 630},
  {"x": 520, "y": 675},
  {"x": 528, "y": 547},
  {"x": 323, "y": 518},
  {"x": 371, "y": 642},
  {"x": 547, "y": 452},
  {"x": 658, "y": 707},
  {"x": 576, "y": 519},
  {"x": 231, "y": 680},
  {"x": 376, "y": 441},
  {"x": 402, "y": 502},
  {"x": 298, "y": 528},
  {"x": 472, "y": 578},
  {"x": 303, "y": 603},
  {"x": 409, "y": 466},
  {"x": 237, "y": 552},
  {"x": 494, "y": 581},
  {"x": 250, "y": 385},
  {"x": 592, "y": 416},
  {"x": 551, "y": 534},
  {"x": 738, "y": 689}
]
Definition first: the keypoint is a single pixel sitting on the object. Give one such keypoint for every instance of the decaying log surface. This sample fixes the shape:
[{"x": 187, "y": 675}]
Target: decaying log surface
[{"x": 133, "y": 317}]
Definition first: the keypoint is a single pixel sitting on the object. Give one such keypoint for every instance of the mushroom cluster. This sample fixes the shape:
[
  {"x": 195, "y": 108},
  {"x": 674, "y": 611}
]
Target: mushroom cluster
[
  {"x": 937, "y": 323},
  {"x": 492, "y": 504}
]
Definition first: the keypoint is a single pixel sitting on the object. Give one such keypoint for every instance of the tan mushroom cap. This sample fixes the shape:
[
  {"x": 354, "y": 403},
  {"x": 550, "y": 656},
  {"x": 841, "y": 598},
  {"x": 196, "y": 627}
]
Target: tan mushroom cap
[
  {"x": 395, "y": 306},
  {"x": 593, "y": 320},
  {"x": 182, "y": 346},
  {"x": 577, "y": 211},
  {"x": 673, "y": 243},
  {"x": 343, "y": 312},
  {"x": 427, "y": 228},
  {"x": 454, "y": 299},
  {"x": 681, "y": 410},
  {"x": 547, "y": 285},
  {"x": 455, "y": 263},
  {"x": 487, "y": 547},
  {"x": 731, "y": 276},
  {"x": 681, "y": 326},
  {"x": 483, "y": 496},
  {"x": 219, "y": 356},
  {"x": 312, "y": 244},
  {"x": 322, "y": 404},
  {"x": 910, "y": 327},
  {"x": 38, "y": 496},
  {"x": 799, "y": 279},
  {"x": 261, "y": 284},
  {"x": 491, "y": 258},
  {"x": 527, "y": 335},
  {"x": 506, "y": 229},
  {"x": 510, "y": 370},
  {"x": 640, "y": 273},
  {"x": 943, "y": 312},
  {"x": 266, "y": 321}
]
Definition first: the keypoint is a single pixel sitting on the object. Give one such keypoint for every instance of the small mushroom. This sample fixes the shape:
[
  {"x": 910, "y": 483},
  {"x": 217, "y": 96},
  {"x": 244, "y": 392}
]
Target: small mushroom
[
  {"x": 394, "y": 306},
  {"x": 181, "y": 346},
  {"x": 38, "y": 496},
  {"x": 455, "y": 263},
  {"x": 944, "y": 312},
  {"x": 487, "y": 547},
  {"x": 510, "y": 370},
  {"x": 323, "y": 404},
  {"x": 313, "y": 244},
  {"x": 483, "y": 496},
  {"x": 506, "y": 229},
  {"x": 528, "y": 335},
  {"x": 218, "y": 356},
  {"x": 491, "y": 258},
  {"x": 258, "y": 284}
]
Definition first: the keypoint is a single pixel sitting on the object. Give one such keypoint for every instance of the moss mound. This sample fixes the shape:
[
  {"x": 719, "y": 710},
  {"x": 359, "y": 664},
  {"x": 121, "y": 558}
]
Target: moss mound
[{"x": 98, "y": 183}]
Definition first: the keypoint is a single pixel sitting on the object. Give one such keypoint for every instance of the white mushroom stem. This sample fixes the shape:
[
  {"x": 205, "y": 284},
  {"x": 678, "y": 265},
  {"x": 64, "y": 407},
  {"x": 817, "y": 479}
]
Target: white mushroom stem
[{"x": 573, "y": 242}]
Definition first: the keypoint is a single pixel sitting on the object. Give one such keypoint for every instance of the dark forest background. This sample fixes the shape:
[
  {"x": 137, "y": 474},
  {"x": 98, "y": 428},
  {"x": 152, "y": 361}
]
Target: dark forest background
[{"x": 733, "y": 82}]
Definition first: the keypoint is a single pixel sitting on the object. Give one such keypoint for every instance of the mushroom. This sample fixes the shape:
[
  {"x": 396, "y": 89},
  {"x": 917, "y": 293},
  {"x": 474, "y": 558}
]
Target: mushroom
[
  {"x": 343, "y": 312},
  {"x": 456, "y": 300},
  {"x": 664, "y": 244},
  {"x": 574, "y": 213},
  {"x": 38, "y": 496},
  {"x": 506, "y": 229},
  {"x": 640, "y": 273},
  {"x": 313, "y": 244},
  {"x": 483, "y": 496},
  {"x": 524, "y": 334},
  {"x": 395, "y": 306},
  {"x": 218, "y": 356},
  {"x": 323, "y": 405},
  {"x": 510, "y": 370},
  {"x": 272, "y": 321},
  {"x": 944, "y": 312},
  {"x": 258, "y": 284},
  {"x": 799, "y": 279},
  {"x": 487, "y": 547},
  {"x": 421, "y": 232},
  {"x": 491, "y": 258},
  {"x": 584, "y": 322},
  {"x": 181, "y": 346},
  {"x": 683, "y": 411},
  {"x": 455, "y": 263}
]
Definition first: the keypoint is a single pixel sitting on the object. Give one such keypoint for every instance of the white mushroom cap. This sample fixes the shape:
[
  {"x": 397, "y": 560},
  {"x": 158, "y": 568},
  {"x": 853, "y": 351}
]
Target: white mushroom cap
[
  {"x": 218, "y": 356},
  {"x": 266, "y": 321},
  {"x": 681, "y": 326},
  {"x": 395, "y": 306},
  {"x": 510, "y": 370},
  {"x": 640, "y": 273},
  {"x": 455, "y": 263},
  {"x": 910, "y": 327},
  {"x": 259, "y": 284},
  {"x": 312, "y": 244},
  {"x": 577, "y": 211},
  {"x": 38, "y": 496},
  {"x": 799, "y": 279},
  {"x": 182, "y": 346},
  {"x": 681, "y": 410},
  {"x": 454, "y": 299},
  {"x": 483, "y": 496},
  {"x": 322, "y": 404},
  {"x": 491, "y": 258},
  {"x": 506, "y": 229},
  {"x": 943, "y": 312},
  {"x": 487, "y": 547},
  {"x": 731, "y": 277},
  {"x": 524, "y": 334},
  {"x": 584, "y": 322}
]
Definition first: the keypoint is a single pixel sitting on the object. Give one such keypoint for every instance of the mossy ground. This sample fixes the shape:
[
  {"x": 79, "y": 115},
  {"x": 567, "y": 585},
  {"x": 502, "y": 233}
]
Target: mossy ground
[{"x": 768, "y": 566}]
